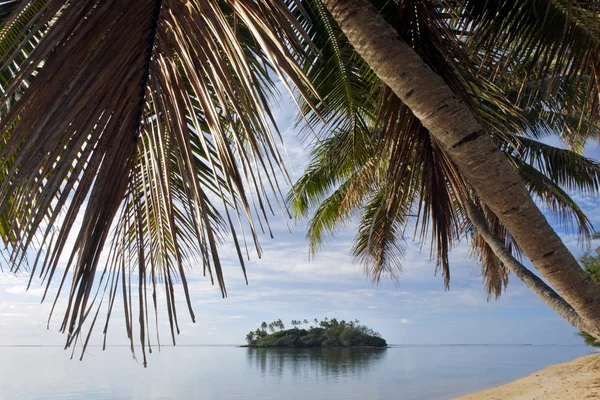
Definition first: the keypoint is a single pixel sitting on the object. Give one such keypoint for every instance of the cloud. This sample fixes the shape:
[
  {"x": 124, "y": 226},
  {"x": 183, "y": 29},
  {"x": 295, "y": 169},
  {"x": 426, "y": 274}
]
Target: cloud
[
  {"x": 286, "y": 284},
  {"x": 7, "y": 315},
  {"x": 22, "y": 289}
]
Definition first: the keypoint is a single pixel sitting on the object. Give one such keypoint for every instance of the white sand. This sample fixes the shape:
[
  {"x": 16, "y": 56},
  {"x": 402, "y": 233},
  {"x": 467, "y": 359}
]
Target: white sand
[{"x": 574, "y": 380}]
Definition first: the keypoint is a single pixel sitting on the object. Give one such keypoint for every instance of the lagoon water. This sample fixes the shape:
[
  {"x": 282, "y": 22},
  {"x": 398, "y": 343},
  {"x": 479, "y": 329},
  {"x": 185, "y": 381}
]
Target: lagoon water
[{"x": 231, "y": 373}]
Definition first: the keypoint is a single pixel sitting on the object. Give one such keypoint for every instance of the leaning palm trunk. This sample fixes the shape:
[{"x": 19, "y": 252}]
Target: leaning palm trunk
[
  {"x": 532, "y": 281},
  {"x": 453, "y": 125}
]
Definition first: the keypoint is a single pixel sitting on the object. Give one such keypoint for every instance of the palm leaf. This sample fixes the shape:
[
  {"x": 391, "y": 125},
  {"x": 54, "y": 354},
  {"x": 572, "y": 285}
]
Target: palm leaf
[
  {"x": 566, "y": 168},
  {"x": 136, "y": 116},
  {"x": 543, "y": 53},
  {"x": 556, "y": 199}
]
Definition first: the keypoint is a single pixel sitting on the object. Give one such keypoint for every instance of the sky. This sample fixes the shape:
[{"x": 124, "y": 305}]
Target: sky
[{"x": 286, "y": 284}]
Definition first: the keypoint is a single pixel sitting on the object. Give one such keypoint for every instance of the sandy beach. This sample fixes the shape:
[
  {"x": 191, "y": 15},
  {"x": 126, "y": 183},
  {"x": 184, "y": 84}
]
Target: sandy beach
[{"x": 575, "y": 380}]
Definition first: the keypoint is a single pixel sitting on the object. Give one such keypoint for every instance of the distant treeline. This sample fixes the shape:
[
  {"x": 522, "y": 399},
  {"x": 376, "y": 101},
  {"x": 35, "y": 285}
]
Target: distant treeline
[{"x": 326, "y": 333}]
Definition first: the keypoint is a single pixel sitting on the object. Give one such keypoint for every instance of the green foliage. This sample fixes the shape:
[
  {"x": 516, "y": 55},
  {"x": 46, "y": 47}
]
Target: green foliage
[
  {"x": 329, "y": 333},
  {"x": 589, "y": 339},
  {"x": 590, "y": 261}
]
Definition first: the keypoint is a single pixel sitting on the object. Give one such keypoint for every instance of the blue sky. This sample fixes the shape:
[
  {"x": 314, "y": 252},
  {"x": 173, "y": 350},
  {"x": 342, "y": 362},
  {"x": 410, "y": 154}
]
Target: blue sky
[{"x": 286, "y": 284}]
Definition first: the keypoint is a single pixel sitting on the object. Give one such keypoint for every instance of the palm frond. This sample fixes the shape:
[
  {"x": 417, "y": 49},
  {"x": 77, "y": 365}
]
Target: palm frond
[
  {"x": 493, "y": 271},
  {"x": 378, "y": 244},
  {"x": 543, "y": 53},
  {"x": 557, "y": 201},
  {"x": 566, "y": 168},
  {"x": 335, "y": 210},
  {"x": 333, "y": 161},
  {"x": 538, "y": 37},
  {"x": 137, "y": 116}
]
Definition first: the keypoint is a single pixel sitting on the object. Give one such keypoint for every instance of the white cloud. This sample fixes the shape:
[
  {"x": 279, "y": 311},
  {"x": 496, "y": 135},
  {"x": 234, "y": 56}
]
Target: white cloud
[
  {"x": 286, "y": 284},
  {"x": 22, "y": 289}
]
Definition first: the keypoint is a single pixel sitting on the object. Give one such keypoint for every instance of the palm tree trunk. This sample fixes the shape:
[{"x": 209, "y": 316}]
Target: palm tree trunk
[
  {"x": 455, "y": 127},
  {"x": 532, "y": 281}
]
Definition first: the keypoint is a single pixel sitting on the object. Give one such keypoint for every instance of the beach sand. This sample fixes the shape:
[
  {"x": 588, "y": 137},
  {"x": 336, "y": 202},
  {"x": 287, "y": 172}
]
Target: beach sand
[{"x": 575, "y": 380}]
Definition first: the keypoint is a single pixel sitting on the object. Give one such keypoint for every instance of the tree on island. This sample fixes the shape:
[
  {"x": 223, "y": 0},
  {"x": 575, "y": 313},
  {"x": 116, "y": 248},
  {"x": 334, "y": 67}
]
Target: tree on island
[{"x": 328, "y": 333}]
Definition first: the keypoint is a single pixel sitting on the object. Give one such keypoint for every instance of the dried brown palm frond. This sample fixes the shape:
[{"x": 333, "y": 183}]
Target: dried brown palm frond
[
  {"x": 493, "y": 271},
  {"x": 148, "y": 116}
]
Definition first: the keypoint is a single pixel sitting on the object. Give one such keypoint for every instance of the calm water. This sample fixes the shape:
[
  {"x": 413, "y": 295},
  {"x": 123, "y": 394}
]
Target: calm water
[{"x": 228, "y": 373}]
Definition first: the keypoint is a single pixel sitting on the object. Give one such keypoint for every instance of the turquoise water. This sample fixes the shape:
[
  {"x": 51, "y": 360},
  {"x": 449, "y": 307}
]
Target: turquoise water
[{"x": 228, "y": 372}]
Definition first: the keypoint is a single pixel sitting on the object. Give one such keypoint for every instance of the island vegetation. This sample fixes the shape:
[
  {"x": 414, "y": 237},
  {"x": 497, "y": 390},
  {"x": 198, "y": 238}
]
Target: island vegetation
[{"x": 315, "y": 333}]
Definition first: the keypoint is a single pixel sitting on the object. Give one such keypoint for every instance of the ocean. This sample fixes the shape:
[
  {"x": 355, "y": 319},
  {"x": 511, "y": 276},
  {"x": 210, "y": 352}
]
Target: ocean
[{"x": 232, "y": 373}]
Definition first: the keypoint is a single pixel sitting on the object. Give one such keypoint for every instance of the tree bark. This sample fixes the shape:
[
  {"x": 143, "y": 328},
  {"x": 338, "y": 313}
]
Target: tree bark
[
  {"x": 473, "y": 150},
  {"x": 532, "y": 281}
]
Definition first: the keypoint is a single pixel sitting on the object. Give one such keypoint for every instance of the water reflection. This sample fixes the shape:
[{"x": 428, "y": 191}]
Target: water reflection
[
  {"x": 326, "y": 362},
  {"x": 234, "y": 373}
]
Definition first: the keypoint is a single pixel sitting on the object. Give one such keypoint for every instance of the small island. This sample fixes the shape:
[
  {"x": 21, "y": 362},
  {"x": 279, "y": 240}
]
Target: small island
[{"x": 326, "y": 333}]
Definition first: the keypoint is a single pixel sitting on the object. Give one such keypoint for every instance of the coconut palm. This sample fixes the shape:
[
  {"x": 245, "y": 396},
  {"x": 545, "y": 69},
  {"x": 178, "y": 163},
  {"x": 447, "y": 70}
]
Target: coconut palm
[
  {"x": 279, "y": 324},
  {"x": 141, "y": 128},
  {"x": 383, "y": 160},
  {"x": 250, "y": 337}
]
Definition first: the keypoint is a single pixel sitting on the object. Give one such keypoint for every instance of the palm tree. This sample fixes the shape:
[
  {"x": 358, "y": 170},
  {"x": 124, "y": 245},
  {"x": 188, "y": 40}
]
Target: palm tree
[
  {"x": 279, "y": 324},
  {"x": 263, "y": 326},
  {"x": 141, "y": 128},
  {"x": 250, "y": 337},
  {"x": 464, "y": 121}
]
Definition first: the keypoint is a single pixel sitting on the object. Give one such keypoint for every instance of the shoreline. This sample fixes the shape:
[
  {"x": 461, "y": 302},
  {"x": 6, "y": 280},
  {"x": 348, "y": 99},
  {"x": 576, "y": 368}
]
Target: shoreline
[
  {"x": 250, "y": 346},
  {"x": 573, "y": 380}
]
